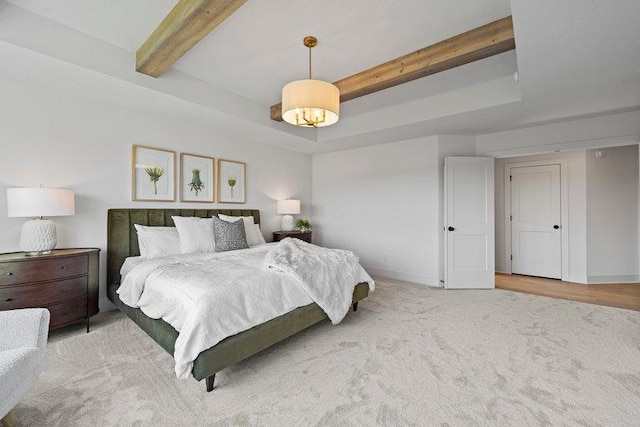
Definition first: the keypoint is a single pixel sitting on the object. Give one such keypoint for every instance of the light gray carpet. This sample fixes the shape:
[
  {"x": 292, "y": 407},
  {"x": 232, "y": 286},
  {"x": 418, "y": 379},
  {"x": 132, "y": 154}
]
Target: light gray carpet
[{"x": 409, "y": 356}]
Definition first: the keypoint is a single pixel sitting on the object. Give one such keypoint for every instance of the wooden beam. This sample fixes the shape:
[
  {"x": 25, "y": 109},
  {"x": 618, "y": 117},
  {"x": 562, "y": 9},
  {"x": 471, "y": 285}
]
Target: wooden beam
[
  {"x": 187, "y": 23},
  {"x": 10, "y": 420},
  {"x": 482, "y": 42}
]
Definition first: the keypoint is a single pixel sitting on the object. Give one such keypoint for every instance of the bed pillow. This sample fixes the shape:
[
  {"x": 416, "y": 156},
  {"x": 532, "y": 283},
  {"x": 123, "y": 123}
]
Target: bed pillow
[
  {"x": 196, "y": 234},
  {"x": 251, "y": 230},
  {"x": 155, "y": 242},
  {"x": 229, "y": 236},
  {"x": 248, "y": 220},
  {"x": 258, "y": 238}
]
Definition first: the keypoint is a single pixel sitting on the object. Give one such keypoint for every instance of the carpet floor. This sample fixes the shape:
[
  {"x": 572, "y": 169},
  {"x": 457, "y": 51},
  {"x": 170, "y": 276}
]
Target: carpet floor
[{"x": 410, "y": 355}]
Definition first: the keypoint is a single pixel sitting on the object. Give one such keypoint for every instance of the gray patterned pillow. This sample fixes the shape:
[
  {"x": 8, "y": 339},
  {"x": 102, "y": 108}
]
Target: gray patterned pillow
[{"x": 229, "y": 236}]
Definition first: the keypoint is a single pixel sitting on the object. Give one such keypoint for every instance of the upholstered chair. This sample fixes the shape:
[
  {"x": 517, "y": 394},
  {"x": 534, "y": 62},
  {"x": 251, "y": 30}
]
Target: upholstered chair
[{"x": 23, "y": 342}]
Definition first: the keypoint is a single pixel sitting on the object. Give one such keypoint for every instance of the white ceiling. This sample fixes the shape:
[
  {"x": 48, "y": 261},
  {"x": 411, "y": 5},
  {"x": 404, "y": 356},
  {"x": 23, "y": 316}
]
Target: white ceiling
[{"x": 574, "y": 59}]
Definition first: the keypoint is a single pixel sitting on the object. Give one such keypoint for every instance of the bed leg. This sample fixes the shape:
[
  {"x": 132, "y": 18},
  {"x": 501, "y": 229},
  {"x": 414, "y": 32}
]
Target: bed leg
[
  {"x": 210, "y": 381},
  {"x": 355, "y": 306}
]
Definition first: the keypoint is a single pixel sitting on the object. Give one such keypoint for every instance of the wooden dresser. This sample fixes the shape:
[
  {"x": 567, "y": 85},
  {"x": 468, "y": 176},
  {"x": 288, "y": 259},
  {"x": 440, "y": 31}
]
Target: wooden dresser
[{"x": 65, "y": 282}]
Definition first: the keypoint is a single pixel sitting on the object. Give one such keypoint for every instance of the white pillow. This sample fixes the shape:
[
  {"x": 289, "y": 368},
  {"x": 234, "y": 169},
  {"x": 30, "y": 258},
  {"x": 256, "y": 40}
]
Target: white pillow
[
  {"x": 257, "y": 237},
  {"x": 157, "y": 242},
  {"x": 248, "y": 220},
  {"x": 196, "y": 234},
  {"x": 252, "y": 231}
]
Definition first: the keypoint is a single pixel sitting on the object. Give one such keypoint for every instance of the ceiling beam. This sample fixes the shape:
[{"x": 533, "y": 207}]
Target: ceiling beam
[
  {"x": 482, "y": 42},
  {"x": 187, "y": 23}
]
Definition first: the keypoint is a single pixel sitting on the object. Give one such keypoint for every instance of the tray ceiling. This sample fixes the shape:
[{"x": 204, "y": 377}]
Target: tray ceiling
[{"x": 574, "y": 59}]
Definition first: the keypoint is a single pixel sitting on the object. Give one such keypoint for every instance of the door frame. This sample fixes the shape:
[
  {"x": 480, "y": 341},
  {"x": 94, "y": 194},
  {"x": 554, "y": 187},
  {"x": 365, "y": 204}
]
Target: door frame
[{"x": 564, "y": 210}]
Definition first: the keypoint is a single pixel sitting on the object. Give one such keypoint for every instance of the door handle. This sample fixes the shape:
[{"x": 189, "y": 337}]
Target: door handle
[
  {"x": 450, "y": 228},
  {"x": 556, "y": 227}
]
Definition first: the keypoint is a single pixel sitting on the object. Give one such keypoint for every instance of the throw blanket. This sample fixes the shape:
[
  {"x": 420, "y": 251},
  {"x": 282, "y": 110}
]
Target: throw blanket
[{"x": 327, "y": 275}]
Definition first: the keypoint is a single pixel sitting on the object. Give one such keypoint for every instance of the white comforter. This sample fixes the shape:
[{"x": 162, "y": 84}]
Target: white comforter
[{"x": 208, "y": 297}]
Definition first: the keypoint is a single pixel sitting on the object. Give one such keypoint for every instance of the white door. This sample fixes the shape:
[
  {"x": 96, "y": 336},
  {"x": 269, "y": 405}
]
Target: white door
[
  {"x": 469, "y": 224},
  {"x": 535, "y": 221}
]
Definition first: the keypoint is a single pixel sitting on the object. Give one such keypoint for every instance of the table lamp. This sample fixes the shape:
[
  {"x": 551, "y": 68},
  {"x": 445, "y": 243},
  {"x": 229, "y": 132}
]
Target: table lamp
[
  {"x": 287, "y": 208},
  {"x": 39, "y": 235}
]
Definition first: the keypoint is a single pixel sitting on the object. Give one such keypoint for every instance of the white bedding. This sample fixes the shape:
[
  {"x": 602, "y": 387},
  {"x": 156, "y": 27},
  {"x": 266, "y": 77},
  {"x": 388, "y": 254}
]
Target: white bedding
[
  {"x": 315, "y": 267},
  {"x": 207, "y": 297}
]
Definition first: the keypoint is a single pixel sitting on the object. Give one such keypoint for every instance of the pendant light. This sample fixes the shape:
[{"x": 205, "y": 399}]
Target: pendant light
[{"x": 311, "y": 103}]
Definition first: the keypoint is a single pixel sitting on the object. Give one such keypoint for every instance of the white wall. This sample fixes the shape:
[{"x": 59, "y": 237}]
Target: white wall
[
  {"x": 60, "y": 139},
  {"x": 382, "y": 203},
  {"x": 612, "y": 215}
]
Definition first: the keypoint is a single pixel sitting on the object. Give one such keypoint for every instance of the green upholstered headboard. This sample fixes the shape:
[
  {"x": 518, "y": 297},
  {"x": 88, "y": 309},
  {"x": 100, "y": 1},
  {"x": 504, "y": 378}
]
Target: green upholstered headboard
[{"x": 122, "y": 239}]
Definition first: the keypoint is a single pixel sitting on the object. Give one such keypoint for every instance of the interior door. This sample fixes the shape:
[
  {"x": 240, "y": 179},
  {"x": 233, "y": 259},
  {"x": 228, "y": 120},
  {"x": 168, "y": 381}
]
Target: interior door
[
  {"x": 536, "y": 244},
  {"x": 469, "y": 223}
]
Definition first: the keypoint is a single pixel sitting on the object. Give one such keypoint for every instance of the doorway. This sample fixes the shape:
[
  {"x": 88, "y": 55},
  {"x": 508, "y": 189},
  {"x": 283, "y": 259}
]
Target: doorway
[
  {"x": 536, "y": 218},
  {"x": 535, "y": 221}
]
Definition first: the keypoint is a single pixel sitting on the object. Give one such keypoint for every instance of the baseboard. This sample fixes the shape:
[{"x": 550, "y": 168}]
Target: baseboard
[
  {"x": 398, "y": 275},
  {"x": 613, "y": 278}
]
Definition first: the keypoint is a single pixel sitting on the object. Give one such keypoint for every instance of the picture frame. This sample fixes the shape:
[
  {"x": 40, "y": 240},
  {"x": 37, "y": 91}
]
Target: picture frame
[
  {"x": 231, "y": 181},
  {"x": 197, "y": 178},
  {"x": 153, "y": 174}
]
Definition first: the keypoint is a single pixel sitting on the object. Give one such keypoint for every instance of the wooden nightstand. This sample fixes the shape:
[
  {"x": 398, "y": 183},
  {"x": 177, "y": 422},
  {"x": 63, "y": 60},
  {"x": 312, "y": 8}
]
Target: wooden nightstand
[
  {"x": 302, "y": 235},
  {"x": 65, "y": 282}
]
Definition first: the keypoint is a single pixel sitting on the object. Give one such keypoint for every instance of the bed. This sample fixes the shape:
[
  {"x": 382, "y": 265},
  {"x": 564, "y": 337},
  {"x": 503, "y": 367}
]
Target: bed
[{"x": 122, "y": 242}]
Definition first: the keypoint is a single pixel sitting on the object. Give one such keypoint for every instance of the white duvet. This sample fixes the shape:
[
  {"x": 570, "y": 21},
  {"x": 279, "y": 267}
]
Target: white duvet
[{"x": 210, "y": 296}]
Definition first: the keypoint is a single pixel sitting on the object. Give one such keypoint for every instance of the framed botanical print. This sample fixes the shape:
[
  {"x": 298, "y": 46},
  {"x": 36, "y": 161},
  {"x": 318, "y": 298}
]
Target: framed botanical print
[
  {"x": 153, "y": 174},
  {"x": 231, "y": 181},
  {"x": 196, "y": 178}
]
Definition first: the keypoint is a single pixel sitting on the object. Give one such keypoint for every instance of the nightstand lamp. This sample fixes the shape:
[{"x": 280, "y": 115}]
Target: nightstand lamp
[
  {"x": 39, "y": 235},
  {"x": 288, "y": 208}
]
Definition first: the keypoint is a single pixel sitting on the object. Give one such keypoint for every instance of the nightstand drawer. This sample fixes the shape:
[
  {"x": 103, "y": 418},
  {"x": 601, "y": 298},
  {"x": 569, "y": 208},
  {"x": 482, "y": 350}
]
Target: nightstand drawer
[
  {"x": 42, "y": 295},
  {"x": 37, "y": 270},
  {"x": 67, "y": 312},
  {"x": 296, "y": 234}
]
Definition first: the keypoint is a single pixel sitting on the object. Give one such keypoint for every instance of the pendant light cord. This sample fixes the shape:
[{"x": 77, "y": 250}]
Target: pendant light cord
[{"x": 310, "y": 62}]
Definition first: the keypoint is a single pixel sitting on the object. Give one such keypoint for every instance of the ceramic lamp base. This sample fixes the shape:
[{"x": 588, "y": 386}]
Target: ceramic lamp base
[
  {"x": 38, "y": 237},
  {"x": 287, "y": 223}
]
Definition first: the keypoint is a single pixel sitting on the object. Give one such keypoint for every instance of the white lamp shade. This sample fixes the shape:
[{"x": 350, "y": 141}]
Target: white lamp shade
[
  {"x": 310, "y": 99},
  {"x": 40, "y": 202},
  {"x": 288, "y": 207}
]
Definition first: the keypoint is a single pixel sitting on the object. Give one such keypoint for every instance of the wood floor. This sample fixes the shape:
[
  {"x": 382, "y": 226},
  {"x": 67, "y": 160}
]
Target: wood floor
[{"x": 622, "y": 295}]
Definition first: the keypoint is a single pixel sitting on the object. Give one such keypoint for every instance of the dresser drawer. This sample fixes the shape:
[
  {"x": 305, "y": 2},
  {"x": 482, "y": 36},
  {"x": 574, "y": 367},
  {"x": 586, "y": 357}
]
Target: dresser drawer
[
  {"x": 43, "y": 294},
  {"x": 67, "y": 312},
  {"x": 65, "y": 282},
  {"x": 36, "y": 270}
]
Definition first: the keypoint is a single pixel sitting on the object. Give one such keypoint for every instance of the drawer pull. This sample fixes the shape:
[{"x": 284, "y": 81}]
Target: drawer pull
[
  {"x": 63, "y": 267},
  {"x": 10, "y": 274},
  {"x": 9, "y": 299}
]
